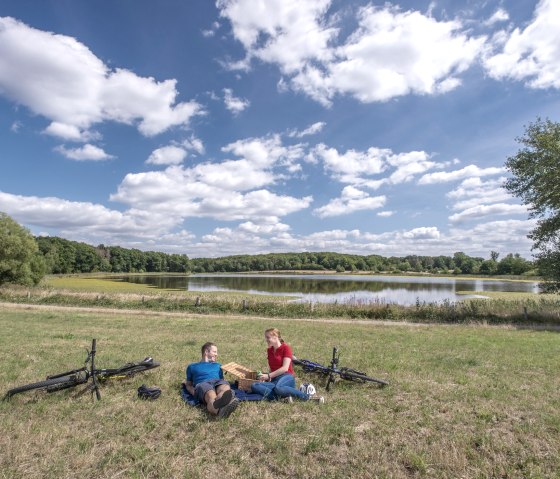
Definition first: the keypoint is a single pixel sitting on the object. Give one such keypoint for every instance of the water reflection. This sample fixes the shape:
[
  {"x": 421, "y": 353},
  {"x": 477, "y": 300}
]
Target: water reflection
[{"x": 342, "y": 289}]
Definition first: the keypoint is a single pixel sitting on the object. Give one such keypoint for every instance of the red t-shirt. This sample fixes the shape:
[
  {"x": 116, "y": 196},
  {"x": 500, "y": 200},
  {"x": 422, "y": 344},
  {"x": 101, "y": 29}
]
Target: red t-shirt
[{"x": 276, "y": 358}]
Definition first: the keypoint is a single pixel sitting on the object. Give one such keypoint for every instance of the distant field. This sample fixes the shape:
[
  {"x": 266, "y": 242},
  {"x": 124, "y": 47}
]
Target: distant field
[{"x": 464, "y": 401}]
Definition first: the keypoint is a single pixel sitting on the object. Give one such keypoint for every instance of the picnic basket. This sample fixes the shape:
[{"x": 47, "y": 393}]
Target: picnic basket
[{"x": 244, "y": 376}]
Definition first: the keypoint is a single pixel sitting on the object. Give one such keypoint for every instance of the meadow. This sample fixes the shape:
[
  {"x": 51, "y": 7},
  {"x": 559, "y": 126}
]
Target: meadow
[{"x": 464, "y": 400}]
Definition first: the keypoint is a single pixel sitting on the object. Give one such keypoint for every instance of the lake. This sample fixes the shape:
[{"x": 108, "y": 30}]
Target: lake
[{"x": 403, "y": 290}]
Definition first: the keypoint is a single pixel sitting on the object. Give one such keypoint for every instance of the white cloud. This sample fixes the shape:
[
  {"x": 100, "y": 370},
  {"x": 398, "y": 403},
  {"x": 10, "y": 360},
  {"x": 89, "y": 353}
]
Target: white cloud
[
  {"x": 390, "y": 54},
  {"x": 466, "y": 172},
  {"x": 286, "y": 32},
  {"x": 481, "y": 211},
  {"x": 52, "y": 212},
  {"x": 167, "y": 155},
  {"x": 385, "y": 214},
  {"x": 230, "y": 190},
  {"x": 58, "y": 77},
  {"x": 473, "y": 192},
  {"x": 350, "y": 201},
  {"x": 430, "y": 233},
  {"x": 357, "y": 167},
  {"x": 85, "y": 153},
  {"x": 194, "y": 144},
  {"x": 234, "y": 104},
  {"x": 266, "y": 228},
  {"x": 532, "y": 54},
  {"x": 499, "y": 15},
  {"x": 311, "y": 130},
  {"x": 70, "y": 132}
]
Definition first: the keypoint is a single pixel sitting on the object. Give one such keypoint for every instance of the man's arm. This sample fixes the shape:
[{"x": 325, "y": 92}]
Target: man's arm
[{"x": 190, "y": 387}]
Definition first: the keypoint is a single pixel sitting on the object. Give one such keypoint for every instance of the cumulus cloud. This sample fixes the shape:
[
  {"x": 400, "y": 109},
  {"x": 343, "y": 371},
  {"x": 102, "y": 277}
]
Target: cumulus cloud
[
  {"x": 234, "y": 104},
  {"x": 167, "y": 155},
  {"x": 385, "y": 214},
  {"x": 311, "y": 130},
  {"x": 481, "y": 211},
  {"x": 474, "y": 191},
  {"x": 391, "y": 53},
  {"x": 229, "y": 190},
  {"x": 357, "y": 167},
  {"x": 467, "y": 172},
  {"x": 52, "y": 212},
  {"x": 59, "y": 78},
  {"x": 70, "y": 132},
  {"x": 85, "y": 153},
  {"x": 499, "y": 15},
  {"x": 350, "y": 201},
  {"x": 531, "y": 54},
  {"x": 286, "y": 32}
]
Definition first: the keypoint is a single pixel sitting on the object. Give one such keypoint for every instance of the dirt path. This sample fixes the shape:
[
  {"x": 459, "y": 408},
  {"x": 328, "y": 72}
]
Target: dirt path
[{"x": 136, "y": 312}]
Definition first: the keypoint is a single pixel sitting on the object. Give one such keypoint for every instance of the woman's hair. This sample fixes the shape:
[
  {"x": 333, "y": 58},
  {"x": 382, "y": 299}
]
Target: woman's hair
[{"x": 275, "y": 332}]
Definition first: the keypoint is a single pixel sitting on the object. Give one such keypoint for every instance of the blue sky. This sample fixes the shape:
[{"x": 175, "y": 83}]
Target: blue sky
[{"x": 255, "y": 126}]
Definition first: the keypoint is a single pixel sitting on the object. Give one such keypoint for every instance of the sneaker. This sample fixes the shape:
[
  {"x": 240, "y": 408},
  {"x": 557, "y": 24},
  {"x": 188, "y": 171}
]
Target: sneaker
[
  {"x": 228, "y": 408},
  {"x": 317, "y": 398},
  {"x": 224, "y": 400},
  {"x": 288, "y": 400},
  {"x": 308, "y": 389}
]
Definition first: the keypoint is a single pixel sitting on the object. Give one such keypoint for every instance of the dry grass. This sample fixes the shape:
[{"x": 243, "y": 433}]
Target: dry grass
[{"x": 464, "y": 401}]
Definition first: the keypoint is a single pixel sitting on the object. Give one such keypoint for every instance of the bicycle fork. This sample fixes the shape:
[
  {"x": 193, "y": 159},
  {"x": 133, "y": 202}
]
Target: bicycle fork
[{"x": 333, "y": 368}]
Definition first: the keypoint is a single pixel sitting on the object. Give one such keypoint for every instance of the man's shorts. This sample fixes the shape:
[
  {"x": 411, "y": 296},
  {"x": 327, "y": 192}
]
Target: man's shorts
[{"x": 201, "y": 389}]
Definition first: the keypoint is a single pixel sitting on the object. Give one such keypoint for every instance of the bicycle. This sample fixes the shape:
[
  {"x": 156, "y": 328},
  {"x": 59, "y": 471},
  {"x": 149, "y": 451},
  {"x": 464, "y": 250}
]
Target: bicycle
[
  {"x": 332, "y": 371},
  {"x": 75, "y": 377}
]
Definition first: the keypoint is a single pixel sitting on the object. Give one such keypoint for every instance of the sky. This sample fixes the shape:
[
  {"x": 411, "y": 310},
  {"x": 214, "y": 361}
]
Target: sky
[{"x": 213, "y": 128}]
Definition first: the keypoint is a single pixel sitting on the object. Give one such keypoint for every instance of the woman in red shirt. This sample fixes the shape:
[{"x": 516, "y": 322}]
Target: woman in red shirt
[{"x": 280, "y": 381}]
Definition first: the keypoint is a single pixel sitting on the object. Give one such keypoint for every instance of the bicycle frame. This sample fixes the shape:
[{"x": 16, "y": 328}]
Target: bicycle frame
[
  {"x": 333, "y": 370},
  {"x": 75, "y": 377}
]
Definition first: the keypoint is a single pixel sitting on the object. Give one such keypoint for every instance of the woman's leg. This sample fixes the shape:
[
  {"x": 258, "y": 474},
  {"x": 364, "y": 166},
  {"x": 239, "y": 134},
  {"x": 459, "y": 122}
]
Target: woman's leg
[
  {"x": 286, "y": 386},
  {"x": 265, "y": 389}
]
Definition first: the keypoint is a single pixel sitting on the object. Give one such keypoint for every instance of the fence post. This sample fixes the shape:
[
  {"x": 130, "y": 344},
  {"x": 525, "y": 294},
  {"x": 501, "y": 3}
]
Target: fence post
[
  {"x": 526, "y": 316},
  {"x": 197, "y": 301},
  {"x": 244, "y": 305}
]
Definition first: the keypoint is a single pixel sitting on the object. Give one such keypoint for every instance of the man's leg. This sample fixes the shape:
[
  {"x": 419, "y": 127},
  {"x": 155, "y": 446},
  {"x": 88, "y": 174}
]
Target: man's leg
[
  {"x": 224, "y": 395},
  {"x": 209, "y": 399}
]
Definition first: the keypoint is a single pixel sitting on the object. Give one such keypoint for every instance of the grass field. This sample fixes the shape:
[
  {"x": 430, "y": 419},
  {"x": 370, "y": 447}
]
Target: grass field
[{"x": 464, "y": 401}]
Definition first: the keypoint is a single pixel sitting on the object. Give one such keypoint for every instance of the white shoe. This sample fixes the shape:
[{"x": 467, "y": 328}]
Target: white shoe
[
  {"x": 317, "y": 398},
  {"x": 288, "y": 400},
  {"x": 308, "y": 389}
]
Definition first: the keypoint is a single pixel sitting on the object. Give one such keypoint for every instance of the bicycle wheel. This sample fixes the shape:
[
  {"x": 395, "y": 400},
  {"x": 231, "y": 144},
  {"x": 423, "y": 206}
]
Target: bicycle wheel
[
  {"x": 353, "y": 375},
  {"x": 49, "y": 384}
]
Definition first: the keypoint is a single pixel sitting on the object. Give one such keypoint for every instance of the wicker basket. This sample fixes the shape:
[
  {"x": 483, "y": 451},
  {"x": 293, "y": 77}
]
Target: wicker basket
[{"x": 243, "y": 376}]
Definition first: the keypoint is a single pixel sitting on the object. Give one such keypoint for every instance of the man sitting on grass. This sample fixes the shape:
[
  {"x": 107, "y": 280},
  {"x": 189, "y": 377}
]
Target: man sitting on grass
[{"x": 205, "y": 381}]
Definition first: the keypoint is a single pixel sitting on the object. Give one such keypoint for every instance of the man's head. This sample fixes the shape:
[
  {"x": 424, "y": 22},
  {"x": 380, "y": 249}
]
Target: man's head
[{"x": 209, "y": 352}]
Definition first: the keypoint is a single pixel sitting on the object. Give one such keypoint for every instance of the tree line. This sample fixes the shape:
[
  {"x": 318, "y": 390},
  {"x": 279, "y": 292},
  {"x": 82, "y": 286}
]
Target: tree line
[
  {"x": 65, "y": 257},
  {"x": 459, "y": 263}
]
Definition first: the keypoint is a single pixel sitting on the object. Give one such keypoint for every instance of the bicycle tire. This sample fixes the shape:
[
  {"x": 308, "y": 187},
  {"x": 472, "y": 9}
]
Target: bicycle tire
[
  {"x": 68, "y": 381},
  {"x": 352, "y": 375}
]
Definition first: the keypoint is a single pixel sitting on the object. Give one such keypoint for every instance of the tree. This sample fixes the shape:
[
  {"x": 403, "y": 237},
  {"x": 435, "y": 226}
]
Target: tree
[
  {"x": 536, "y": 169},
  {"x": 20, "y": 260}
]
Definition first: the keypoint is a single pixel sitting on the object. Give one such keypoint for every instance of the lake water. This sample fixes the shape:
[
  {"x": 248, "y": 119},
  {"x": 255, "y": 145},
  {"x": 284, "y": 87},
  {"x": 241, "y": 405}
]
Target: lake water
[{"x": 339, "y": 288}]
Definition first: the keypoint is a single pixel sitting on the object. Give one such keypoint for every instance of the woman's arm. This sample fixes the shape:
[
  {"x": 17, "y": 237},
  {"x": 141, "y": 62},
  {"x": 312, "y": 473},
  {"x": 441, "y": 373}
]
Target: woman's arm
[{"x": 281, "y": 370}]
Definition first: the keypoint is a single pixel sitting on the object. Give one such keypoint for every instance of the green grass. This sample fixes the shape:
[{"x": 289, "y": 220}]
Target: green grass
[{"x": 464, "y": 401}]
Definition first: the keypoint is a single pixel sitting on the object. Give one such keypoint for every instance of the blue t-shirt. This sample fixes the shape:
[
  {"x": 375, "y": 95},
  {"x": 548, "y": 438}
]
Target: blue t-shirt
[{"x": 200, "y": 372}]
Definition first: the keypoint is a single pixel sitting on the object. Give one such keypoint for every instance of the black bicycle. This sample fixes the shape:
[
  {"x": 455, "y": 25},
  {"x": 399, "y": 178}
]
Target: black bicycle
[
  {"x": 333, "y": 371},
  {"x": 74, "y": 378}
]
